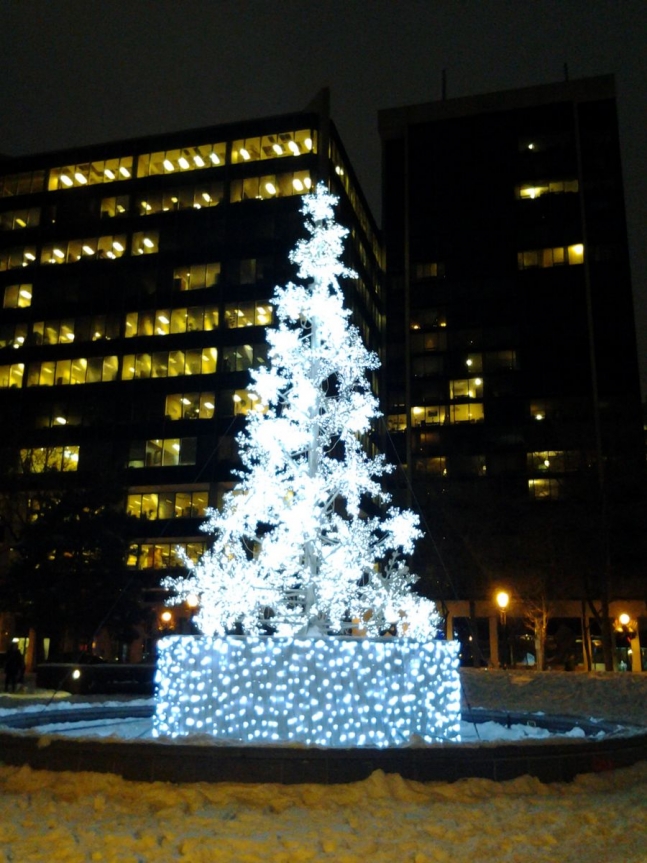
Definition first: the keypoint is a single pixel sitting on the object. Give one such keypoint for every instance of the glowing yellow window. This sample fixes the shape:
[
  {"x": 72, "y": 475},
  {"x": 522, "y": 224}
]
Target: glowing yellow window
[{"x": 576, "y": 254}]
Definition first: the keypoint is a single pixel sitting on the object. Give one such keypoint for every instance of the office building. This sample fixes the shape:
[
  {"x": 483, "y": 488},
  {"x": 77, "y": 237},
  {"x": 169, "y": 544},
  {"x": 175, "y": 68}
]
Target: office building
[
  {"x": 135, "y": 279},
  {"x": 512, "y": 354}
]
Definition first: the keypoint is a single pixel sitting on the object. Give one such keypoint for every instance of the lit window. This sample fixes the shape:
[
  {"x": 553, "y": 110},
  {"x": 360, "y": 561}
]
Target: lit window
[
  {"x": 17, "y": 296},
  {"x": 530, "y": 191},
  {"x": 169, "y": 452},
  {"x": 186, "y": 159},
  {"x": 44, "y": 459},
  {"x": 14, "y": 220},
  {"x": 11, "y": 375},
  {"x": 471, "y": 412},
  {"x": 552, "y": 257},
  {"x": 270, "y": 186},
  {"x": 238, "y": 358},
  {"x": 429, "y": 415},
  {"x": 145, "y": 242},
  {"x": 170, "y": 504},
  {"x": 190, "y": 406},
  {"x": 163, "y": 555},
  {"x": 247, "y": 314},
  {"x": 90, "y": 173},
  {"x": 467, "y": 388},
  {"x": 114, "y": 207},
  {"x": 21, "y": 256},
  {"x": 545, "y": 489},
  {"x": 396, "y": 422},
  {"x": 195, "y": 277}
]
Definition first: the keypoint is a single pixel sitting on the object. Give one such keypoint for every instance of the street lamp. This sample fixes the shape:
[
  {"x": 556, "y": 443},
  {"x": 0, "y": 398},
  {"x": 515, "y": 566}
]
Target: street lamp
[{"x": 502, "y": 599}]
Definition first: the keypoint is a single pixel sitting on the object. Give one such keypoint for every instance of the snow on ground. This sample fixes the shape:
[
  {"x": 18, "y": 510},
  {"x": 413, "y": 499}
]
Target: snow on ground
[{"x": 79, "y": 818}]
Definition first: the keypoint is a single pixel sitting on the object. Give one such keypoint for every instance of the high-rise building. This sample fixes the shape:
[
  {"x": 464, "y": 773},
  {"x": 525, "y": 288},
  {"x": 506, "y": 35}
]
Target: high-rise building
[
  {"x": 135, "y": 279},
  {"x": 512, "y": 353}
]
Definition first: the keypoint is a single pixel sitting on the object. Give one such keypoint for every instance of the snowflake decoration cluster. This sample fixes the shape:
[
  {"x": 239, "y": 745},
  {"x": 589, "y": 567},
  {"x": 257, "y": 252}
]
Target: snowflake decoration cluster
[{"x": 294, "y": 550}]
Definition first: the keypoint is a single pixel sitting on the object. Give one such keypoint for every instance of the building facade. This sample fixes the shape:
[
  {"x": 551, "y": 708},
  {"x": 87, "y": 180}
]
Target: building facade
[
  {"x": 512, "y": 373},
  {"x": 135, "y": 279}
]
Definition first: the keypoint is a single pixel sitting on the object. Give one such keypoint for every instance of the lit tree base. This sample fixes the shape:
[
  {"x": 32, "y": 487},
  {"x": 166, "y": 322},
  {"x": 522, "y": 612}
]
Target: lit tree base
[{"x": 332, "y": 692}]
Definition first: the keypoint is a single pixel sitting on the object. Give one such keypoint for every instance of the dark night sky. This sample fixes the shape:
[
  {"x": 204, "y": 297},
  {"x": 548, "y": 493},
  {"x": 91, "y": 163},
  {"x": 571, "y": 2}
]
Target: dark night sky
[{"x": 83, "y": 71}]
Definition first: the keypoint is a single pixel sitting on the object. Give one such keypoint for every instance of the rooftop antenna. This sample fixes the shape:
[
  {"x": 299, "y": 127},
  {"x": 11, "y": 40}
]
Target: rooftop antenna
[{"x": 444, "y": 84}]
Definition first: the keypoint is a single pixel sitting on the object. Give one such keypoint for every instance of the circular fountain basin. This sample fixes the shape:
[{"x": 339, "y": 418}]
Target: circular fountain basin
[{"x": 601, "y": 745}]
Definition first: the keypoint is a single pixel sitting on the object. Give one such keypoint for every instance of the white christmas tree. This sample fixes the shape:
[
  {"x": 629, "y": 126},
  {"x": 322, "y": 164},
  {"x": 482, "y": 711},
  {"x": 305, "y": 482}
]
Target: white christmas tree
[{"x": 294, "y": 549}]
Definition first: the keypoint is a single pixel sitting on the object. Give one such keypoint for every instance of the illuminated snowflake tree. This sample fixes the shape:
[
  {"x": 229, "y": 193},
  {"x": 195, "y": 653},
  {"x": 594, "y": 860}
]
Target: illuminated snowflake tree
[{"x": 295, "y": 550}]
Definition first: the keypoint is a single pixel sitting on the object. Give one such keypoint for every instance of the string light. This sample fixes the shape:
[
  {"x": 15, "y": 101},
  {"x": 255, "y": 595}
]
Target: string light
[{"x": 337, "y": 692}]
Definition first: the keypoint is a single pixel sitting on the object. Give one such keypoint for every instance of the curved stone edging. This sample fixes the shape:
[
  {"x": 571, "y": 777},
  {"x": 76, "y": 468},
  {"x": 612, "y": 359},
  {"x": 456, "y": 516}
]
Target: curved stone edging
[{"x": 156, "y": 761}]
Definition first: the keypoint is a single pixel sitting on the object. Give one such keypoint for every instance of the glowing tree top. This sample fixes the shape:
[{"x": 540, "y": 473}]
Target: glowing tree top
[{"x": 294, "y": 549}]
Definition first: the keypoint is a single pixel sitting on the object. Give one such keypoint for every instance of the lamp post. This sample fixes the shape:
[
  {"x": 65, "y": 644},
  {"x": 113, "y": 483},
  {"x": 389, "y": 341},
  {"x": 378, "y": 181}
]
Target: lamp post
[
  {"x": 502, "y": 599},
  {"x": 627, "y": 630}
]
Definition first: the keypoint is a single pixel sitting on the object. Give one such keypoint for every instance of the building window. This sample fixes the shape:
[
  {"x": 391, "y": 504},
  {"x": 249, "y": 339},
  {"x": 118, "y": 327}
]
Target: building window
[
  {"x": 17, "y": 296},
  {"x": 14, "y": 220},
  {"x": 13, "y": 335},
  {"x": 239, "y": 358},
  {"x": 499, "y": 361},
  {"x": 423, "y": 318},
  {"x": 270, "y": 186},
  {"x": 163, "y": 555},
  {"x": 53, "y": 332},
  {"x": 196, "y": 276},
  {"x": 190, "y": 406},
  {"x": 21, "y": 256},
  {"x": 145, "y": 243},
  {"x": 77, "y": 371},
  {"x": 248, "y": 315},
  {"x": 466, "y": 388},
  {"x": 183, "y": 198},
  {"x": 558, "y": 256},
  {"x": 44, "y": 459},
  {"x": 432, "y": 415},
  {"x": 115, "y": 207},
  {"x": 396, "y": 422},
  {"x": 423, "y": 367},
  {"x": 90, "y": 173},
  {"x": 432, "y": 466},
  {"x": 545, "y": 489},
  {"x": 431, "y": 270},
  {"x": 180, "y": 160},
  {"x": 108, "y": 247},
  {"x": 11, "y": 375},
  {"x": 530, "y": 191},
  {"x": 163, "y": 322},
  {"x": 22, "y": 184},
  {"x": 169, "y": 452},
  {"x": 466, "y": 413},
  {"x": 237, "y": 403},
  {"x": 554, "y": 461},
  {"x": 169, "y": 504},
  {"x": 169, "y": 364},
  {"x": 432, "y": 341},
  {"x": 274, "y": 146}
]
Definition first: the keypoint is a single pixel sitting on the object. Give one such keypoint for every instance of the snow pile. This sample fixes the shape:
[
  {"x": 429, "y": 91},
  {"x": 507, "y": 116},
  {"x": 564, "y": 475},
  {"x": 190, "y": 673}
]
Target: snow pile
[
  {"x": 89, "y": 817},
  {"x": 618, "y": 697},
  {"x": 83, "y": 817}
]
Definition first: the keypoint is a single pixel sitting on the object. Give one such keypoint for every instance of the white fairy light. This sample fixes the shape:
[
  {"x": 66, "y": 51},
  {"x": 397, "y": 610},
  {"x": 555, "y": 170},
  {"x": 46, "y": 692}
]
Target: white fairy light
[{"x": 402, "y": 690}]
